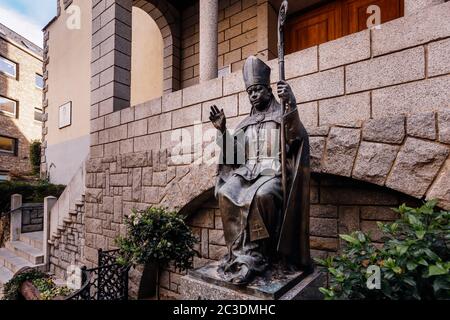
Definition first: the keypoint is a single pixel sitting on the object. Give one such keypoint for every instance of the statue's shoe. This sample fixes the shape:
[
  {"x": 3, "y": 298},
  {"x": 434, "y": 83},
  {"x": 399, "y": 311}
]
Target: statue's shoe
[{"x": 244, "y": 278}]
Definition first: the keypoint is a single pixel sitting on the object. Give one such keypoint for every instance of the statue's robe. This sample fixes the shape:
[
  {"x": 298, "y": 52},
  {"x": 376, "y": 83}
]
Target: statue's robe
[{"x": 257, "y": 231}]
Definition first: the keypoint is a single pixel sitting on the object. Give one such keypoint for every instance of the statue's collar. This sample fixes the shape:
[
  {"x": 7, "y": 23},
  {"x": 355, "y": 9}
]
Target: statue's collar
[{"x": 273, "y": 114}]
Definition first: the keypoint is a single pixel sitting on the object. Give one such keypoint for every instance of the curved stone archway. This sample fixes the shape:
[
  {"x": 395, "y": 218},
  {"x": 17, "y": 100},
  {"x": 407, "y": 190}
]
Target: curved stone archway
[{"x": 167, "y": 19}]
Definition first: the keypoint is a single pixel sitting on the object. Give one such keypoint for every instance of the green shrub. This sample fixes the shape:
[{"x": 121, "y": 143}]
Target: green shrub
[
  {"x": 35, "y": 156},
  {"x": 43, "y": 282},
  {"x": 48, "y": 289},
  {"x": 31, "y": 192},
  {"x": 159, "y": 237},
  {"x": 11, "y": 290},
  {"x": 413, "y": 260}
]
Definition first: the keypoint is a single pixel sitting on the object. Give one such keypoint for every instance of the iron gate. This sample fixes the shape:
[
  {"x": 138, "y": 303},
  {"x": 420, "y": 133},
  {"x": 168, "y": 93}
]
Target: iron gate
[{"x": 109, "y": 281}]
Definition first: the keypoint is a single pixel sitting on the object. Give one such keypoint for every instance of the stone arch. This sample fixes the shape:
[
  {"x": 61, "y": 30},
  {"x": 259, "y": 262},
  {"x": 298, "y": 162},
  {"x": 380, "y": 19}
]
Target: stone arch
[
  {"x": 339, "y": 205},
  {"x": 167, "y": 19}
]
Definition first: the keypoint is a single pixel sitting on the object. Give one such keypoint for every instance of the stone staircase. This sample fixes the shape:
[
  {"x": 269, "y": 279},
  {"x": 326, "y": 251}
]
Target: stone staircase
[
  {"x": 69, "y": 206},
  {"x": 67, "y": 221},
  {"x": 27, "y": 252}
]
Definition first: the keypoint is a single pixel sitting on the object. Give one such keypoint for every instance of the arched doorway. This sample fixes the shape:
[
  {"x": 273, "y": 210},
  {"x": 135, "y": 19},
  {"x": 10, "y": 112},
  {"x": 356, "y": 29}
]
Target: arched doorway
[{"x": 147, "y": 58}]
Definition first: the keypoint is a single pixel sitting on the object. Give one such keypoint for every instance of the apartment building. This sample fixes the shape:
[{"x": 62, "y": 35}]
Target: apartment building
[{"x": 21, "y": 90}]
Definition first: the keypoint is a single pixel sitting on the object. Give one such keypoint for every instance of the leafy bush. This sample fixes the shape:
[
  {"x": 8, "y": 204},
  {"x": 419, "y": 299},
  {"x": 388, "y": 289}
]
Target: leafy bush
[
  {"x": 11, "y": 290},
  {"x": 48, "y": 289},
  {"x": 35, "y": 156},
  {"x": 43, "y": 282},
  {"x": 413, "y": 260},
  {"x": 31, "y": 192},
  {"x": 159, "y": 237}
]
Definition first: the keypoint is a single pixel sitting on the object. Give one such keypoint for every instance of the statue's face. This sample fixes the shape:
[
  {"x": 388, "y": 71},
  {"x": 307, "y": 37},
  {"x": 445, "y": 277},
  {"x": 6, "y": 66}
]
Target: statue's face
[{"x": 259, "y": 96}]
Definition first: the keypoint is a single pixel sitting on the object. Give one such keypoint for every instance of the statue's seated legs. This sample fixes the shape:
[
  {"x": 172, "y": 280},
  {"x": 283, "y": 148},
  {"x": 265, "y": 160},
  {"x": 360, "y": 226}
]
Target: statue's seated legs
[
  {"x": 267, "y": 204},
  {"x": 250, "y": 229}
]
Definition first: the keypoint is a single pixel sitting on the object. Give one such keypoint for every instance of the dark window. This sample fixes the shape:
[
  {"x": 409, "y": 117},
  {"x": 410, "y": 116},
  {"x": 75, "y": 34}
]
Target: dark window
[
  {"x": 8, "y": 67},
  {"x": 38, "y": 114},
  {"x": 8, "y": 145},
  {"x": 39, "y": 82},
  {"x": 4, "y": 176},
  {"x": 8, "y": 106}
]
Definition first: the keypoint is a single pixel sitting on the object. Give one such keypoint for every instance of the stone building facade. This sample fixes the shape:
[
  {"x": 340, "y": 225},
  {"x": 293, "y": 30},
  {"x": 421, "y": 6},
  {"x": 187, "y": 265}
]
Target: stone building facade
[
  {"x": 24, "y": 125},
  {"x": 375, "y": 103}
]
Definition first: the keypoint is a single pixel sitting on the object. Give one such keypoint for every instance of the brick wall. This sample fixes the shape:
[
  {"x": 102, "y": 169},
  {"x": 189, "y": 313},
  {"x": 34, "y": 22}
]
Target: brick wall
[
  {"x": 23, "y": 90},
  {"x": 237, "y": 37}
]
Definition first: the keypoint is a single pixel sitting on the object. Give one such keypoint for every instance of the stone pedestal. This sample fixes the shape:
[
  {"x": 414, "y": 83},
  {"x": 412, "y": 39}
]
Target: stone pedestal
[{"x": 206, "y": 284}]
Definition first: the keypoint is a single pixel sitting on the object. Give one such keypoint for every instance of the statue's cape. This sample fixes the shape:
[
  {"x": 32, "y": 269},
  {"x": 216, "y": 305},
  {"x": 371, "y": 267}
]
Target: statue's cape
[
  {"x": 294, "y": 236},
  {"x": 293, "y": 241}
]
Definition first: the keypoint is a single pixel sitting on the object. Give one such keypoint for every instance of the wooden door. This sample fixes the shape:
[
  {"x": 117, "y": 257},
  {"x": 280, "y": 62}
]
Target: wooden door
[
  {"x": 354, "y": 13},
  {"x": 313, "y": 28},
  {"x": 334, "y": 20}
]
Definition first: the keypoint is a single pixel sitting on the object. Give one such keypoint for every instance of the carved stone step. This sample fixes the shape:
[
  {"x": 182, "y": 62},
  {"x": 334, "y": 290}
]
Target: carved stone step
[
  {"x": 5, "y": 276},
  {"x": 79, "y": 203},
  {"x": 56, "y": 235},
  {"x": 73, "y": 212},
  {"x": 12, "y": 262},
  {"x": 24, "y": 250},
  {"x": 33, "y": 239}
]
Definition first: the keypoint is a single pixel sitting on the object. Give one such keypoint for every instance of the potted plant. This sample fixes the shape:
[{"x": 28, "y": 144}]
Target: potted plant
[
  {"x": 156, "y": 237},
  {"x": 413, "y": 261}
]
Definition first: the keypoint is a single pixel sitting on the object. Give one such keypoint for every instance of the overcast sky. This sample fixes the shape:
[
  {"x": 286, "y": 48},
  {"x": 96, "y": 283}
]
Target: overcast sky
[{"x": 27, "y": 17}]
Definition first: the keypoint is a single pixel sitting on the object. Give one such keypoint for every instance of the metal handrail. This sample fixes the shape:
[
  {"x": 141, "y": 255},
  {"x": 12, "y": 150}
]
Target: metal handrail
[{"x": 23, "y": 206}]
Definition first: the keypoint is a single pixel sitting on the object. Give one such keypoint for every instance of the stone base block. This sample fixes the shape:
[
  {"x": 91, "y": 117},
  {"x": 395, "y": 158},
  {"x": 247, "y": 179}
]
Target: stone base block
[{"x": 195, "y": 287}]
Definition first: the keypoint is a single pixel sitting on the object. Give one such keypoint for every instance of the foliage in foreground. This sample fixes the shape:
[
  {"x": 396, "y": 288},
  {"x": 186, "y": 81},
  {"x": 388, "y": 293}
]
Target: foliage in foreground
[
  {"x": 44, "y": 283},
  {"x": 35, "y": 156},
  {"x": 11, "y": 289},
  {"x": 31, "y": 192},
  {"x": 49, "y": 290},
  {"x": 414, "y": 259},
  {"x": 159, "y": 237}
]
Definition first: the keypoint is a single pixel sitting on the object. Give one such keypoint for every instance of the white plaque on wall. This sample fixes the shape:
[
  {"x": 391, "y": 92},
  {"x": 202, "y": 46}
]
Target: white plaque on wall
[{"x": 65, "y": 115}]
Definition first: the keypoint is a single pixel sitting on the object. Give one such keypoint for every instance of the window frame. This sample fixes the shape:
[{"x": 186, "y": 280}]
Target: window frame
[
  {"x": 8, "y": 114},
  {"x": 6, "y": 175},
  {"x": 16, "y": 68},
  {"x": 43, "y": 81},
  {"x": 15, "y": 152},
  {"x": 36, "y": 110}
]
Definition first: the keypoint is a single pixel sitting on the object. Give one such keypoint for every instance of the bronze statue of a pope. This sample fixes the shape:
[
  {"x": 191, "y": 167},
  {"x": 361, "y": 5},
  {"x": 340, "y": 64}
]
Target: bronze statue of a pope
[{"x": 265, "y": 222}]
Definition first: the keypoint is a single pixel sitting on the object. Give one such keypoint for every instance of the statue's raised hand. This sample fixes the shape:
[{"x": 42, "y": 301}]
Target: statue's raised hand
[{"x": 218, "y": 119}]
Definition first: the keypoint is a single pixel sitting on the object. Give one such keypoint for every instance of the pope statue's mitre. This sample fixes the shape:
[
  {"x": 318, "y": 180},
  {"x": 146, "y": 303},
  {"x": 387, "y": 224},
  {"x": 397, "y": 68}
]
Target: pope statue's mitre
[{"x": 256, "y": 72}]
